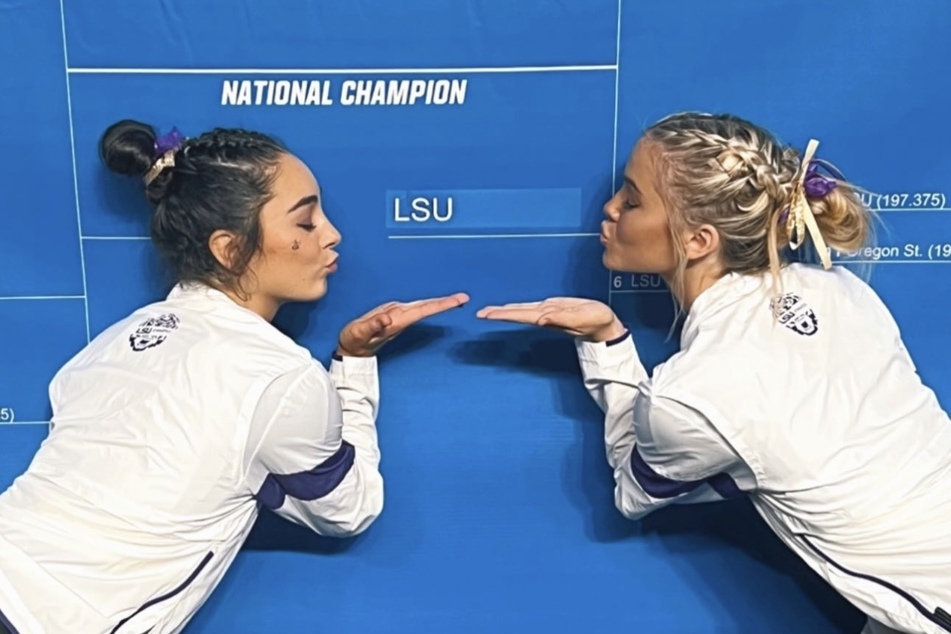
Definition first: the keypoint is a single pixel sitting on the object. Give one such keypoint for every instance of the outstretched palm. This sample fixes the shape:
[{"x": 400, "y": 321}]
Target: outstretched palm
[
  {"x": 363, "y": 336},
  {"x": 574, "y": 315}
]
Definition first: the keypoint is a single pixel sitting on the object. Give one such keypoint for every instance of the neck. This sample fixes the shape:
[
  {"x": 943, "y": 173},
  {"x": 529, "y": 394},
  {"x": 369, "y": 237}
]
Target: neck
[
  {"x": 698, "y": 277},
  {"x": 261, "y": 304}
]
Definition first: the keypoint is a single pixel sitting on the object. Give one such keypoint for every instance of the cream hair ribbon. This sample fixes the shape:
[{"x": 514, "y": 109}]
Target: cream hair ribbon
[{"x": 800, "y": 214}]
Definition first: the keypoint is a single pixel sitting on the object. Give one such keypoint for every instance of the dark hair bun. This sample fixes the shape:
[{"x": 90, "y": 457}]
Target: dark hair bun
[{"x": 128, "y": 147}]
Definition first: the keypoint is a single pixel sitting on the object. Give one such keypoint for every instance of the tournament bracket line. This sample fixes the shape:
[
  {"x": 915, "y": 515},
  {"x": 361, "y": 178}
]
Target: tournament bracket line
[
  {"x": 72, "y": 152},
  {"x": 341, "y": 71}
]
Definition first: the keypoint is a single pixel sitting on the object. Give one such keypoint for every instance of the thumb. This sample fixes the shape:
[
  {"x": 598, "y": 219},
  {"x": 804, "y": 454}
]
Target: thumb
[
  {"x": 367, "y": 329},
  {"x": 557, "y": 322},
  {"x": 549, "y": 320},
  {"x": 379, "y": 323}
]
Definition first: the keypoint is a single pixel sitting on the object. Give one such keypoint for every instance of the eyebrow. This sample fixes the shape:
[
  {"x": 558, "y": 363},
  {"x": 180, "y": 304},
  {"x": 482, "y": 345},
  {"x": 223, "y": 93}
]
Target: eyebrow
[
  {"x": 631, "y": 182},
  {"x": 303, "y": 202}
]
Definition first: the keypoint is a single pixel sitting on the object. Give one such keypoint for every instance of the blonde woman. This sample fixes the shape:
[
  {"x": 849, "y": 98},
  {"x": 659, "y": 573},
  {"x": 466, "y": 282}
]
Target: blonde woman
[{"x": 792, "y": 385}]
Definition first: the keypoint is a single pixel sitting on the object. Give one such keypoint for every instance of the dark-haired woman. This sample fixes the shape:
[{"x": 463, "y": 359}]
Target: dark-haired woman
[{"x": 176, "y": 424}]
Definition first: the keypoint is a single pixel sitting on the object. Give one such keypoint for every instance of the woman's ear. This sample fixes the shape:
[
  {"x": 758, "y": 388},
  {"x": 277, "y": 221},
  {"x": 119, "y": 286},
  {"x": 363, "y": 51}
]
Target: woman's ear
[
  {"x": 699, "y": 242},
  {"x": 223, "y": 246}
]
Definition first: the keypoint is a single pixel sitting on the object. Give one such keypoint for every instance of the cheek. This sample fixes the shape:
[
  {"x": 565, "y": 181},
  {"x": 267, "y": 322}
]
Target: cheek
[
  {"x": 298, "y": 244},
  {"x": 629, "y": 230},
  {"x": 308, "y": 251},
  {"x": 641, "y": 235},
  {"x": 290, "y": 250}
]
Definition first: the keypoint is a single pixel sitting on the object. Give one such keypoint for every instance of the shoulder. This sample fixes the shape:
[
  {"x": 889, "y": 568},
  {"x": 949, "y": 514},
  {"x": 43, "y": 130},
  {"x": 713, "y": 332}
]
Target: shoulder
[
  {"x": 848, "y": 295},
  {"x": 837, "y": 279},
  {"x": 202, "y": 333}
]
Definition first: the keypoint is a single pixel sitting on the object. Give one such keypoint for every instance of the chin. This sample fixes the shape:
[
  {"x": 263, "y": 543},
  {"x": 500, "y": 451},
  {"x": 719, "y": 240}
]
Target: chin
[
  {"x": 311, "y": 294},
  {"x": 318, "y": 292},
  {"x": 609, "y": 262}
]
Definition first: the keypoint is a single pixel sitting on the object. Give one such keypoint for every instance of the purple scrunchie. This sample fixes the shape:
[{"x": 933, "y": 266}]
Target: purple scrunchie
[
  {"x": 171, "y": 141},
  {"x": 817, "y": 185}
]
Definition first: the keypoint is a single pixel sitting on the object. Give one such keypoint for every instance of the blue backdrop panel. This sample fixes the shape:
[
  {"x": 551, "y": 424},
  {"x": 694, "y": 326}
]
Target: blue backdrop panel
[
  {"x": 27, "y": 439},
  {"x": 368, "y": 34},
  {"x": 517, "y": 117},
  {"x": 40, "y": 335},
  {"x": 39, "y": 218},
  {"x": 121, "y": 275}
]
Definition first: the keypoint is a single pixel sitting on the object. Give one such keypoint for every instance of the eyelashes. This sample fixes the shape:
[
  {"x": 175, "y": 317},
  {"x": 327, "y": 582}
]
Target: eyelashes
[{"x": 307, "y": 226}]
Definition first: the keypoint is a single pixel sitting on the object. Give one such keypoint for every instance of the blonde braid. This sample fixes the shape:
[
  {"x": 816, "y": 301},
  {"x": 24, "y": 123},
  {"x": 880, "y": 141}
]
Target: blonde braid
[
  {"x": 722, "y": 171},
  {"x": 736, "y": 176}
]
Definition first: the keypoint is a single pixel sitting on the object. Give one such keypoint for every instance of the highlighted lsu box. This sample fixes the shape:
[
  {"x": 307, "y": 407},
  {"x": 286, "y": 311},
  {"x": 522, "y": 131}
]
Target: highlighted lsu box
[{"x": 484, "y": 209}]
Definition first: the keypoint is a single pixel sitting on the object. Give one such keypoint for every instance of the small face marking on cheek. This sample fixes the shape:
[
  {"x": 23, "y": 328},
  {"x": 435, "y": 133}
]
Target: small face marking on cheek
[{"x": 295, "y": 246}]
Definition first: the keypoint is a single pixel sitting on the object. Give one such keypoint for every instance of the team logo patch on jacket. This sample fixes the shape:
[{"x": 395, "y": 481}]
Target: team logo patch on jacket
[
  {"x": 793, "y": 312},
  {"x": 152, "y": 332}
]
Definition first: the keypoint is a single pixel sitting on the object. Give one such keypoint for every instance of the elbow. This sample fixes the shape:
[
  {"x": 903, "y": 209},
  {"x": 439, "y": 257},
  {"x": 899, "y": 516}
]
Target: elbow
[
  {"x": 629, "y": 507},
  {"x": 364, "y": 513},
  {"x": 369, "y": 512}
]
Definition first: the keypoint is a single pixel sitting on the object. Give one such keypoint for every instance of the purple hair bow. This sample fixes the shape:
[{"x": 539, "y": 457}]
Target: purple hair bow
[{"x": 171, "y": 141}]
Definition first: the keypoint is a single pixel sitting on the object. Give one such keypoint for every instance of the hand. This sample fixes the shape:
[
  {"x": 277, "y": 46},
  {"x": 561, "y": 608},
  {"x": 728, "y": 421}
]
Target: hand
[
  {"x": 585, "y": 318},
  {"x": 365, "y": 335}
]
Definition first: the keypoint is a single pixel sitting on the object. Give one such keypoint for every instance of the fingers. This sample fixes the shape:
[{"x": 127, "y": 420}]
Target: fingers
[
  {"x": 542, "y": 317},
  {"x": 486, "y": 311},
  {"x": 409, "y": 313},
  {"x": 530, "y": 315},
  {"x": 450, "y": 301},
  {"x": 380, "y": 309}
]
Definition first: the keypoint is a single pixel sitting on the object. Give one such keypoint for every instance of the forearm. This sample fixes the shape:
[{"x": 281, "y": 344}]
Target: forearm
[
  {"x": 356, "y": 380},
  {"x": 612, "y": 373}
]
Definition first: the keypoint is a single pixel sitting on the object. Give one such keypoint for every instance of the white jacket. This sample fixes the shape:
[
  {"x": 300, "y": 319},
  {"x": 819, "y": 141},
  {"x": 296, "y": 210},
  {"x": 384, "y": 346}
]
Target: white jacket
[
  {"x": 170, "y": 430},
  {"x": 819, "y": 417}
]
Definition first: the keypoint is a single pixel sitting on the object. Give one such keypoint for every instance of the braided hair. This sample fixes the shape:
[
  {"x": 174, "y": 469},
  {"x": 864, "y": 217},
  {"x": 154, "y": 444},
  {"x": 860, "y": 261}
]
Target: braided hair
[
  {"x": 736, "y": 176},
  {"x": 219, "y": 181}
]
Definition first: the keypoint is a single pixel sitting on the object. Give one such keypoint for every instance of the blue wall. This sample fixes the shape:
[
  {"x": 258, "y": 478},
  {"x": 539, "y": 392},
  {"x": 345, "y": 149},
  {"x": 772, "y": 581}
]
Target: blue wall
[{"x": 499, "y": 513}]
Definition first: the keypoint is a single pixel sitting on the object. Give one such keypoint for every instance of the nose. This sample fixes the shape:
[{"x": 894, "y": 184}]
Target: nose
[
  {"x": 333, "y": 237},
  {"x": 611, "y": 209}
]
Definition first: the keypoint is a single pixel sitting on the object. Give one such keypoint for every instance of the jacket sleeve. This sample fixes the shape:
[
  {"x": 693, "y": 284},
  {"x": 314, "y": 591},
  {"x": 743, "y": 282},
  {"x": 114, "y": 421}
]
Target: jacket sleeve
[
  {"x": 312, "y": 455},
  {"x": 661, "y": 451}
]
